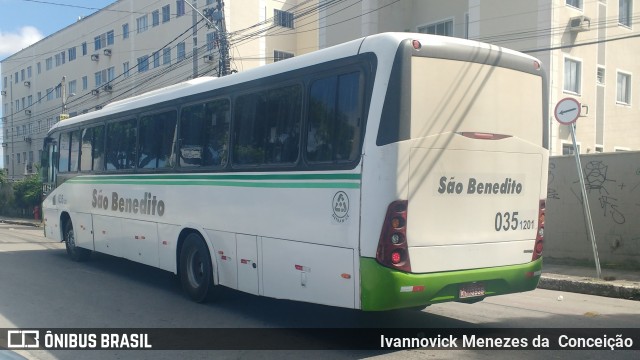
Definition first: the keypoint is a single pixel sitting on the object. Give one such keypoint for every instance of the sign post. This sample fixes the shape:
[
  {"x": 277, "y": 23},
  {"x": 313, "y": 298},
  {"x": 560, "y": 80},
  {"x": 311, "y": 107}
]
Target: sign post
[{"x": 567, "y": 112}]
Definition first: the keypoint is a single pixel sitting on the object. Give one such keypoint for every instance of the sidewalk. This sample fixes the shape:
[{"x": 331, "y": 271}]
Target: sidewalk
[{"x": 617, "y": 283}]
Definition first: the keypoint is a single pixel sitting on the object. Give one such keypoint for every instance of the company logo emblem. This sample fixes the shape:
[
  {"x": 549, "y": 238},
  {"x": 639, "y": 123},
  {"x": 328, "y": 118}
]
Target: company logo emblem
[
  {"x": 340, "y": 207},
  {"x": 22, "y": 339}
]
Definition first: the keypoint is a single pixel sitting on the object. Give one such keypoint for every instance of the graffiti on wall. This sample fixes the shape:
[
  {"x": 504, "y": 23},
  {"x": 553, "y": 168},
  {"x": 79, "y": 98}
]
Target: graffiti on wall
[{"x": 612, "y": 182}]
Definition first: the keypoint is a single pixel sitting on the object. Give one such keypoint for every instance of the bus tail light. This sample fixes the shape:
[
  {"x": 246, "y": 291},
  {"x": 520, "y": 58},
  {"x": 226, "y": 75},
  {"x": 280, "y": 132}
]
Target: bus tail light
[
  {"x": 539, "y": 246},
  {"x": 392, "y": 247}
]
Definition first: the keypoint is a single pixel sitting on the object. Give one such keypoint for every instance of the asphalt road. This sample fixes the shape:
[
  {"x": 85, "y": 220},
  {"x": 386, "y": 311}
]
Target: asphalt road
[{"x": 41, "y": 288}]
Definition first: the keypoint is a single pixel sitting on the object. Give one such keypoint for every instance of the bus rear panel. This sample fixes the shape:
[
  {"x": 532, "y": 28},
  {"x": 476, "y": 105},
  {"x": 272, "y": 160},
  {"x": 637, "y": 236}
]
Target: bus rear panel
[{"x": 467, "y": 218}]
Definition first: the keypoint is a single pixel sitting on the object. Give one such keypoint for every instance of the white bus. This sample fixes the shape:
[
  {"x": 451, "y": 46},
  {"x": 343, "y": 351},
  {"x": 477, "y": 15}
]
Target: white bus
[{"x": 394, "y": 171}]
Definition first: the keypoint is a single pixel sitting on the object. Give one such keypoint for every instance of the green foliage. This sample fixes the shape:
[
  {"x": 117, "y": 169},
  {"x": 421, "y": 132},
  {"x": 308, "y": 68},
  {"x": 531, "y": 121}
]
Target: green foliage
[
  {"x": 5, "y": 193},
  {"x": 27, "y": 192}
]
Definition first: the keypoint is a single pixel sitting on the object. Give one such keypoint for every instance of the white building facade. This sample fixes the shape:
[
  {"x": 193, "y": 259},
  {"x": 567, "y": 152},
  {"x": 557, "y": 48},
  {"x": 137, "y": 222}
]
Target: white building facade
[
  {"x": 131, "y": 47},
  {"x": 589, "y": 49}
]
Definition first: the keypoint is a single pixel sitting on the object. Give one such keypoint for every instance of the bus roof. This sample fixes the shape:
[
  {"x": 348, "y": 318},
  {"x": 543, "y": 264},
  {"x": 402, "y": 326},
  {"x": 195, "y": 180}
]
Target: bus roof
[{"x": 388, "y": 41}]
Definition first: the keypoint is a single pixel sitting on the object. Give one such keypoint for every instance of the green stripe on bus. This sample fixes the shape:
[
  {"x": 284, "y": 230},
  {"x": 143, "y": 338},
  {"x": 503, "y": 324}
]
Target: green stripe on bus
[
  {"x": 228, "y": 177},
  {"x": 381, "y": 287},
  {"x": 189, "y": 182}
]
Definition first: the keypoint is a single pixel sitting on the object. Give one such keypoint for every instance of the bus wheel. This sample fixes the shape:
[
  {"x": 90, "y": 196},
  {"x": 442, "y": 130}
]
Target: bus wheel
[
  {"x": 196, "y": 272},
  {"x": 75, "y": 253}
]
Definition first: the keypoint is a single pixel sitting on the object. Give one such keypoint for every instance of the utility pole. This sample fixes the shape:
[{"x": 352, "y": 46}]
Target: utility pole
[
  {"x": 215, "y": 19},
  {"x": 12, "y": 129},
  {"x": 194, "y": 18},
  {"x": 63, "y": 88}
]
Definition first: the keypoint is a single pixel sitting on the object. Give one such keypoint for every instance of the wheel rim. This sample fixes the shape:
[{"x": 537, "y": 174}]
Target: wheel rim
[{"x": 196, "y": 269}]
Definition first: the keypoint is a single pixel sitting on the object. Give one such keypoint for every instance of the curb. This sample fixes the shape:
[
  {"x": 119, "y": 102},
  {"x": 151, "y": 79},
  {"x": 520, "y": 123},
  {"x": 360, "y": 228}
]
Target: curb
[
  {"x": 590, "y": 286},
  {"x": 20, "y": 222}
]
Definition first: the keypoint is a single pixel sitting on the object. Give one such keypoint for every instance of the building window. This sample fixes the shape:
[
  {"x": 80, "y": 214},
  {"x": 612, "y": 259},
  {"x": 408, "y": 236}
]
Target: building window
[
  {"x": 125, "y": 69},
  {"x": 72, "y": 53},
  {"x": 143, "y": 63},
  {"x": 281, "y": 55},
  {"x": 444, "y": 28},
  {"x": 22, "y": 75},
  {"x": 98, "y": 79},
  {"x": 141, "y": 24},
  {"x": 572, "y": 74},
  {"x": 58, "y": 92},
  {"x": 125, "y": 31},
  {"x": 283, "y": 18},
  {"x": 599, "y": 148},
  {"x": 29, "y": 72},
  {"x": 568, "y": 149},
  {"x": 73, "y": 86},
  {"x": 625, "y": 12},
  {"x": 39, "y": 67},
  {"x": 166, "y": 13},
  {"x": 624, "y": 89},
  {"x": 600, "y": 76},
  {"x": 179, "y": 8},
  {"x": 85, "y": 83},
  {"x": 155, "y": 18},
  {"x": 84, "y": 48},
  {"x": 212, "y": 41},
  {"x": 156, "y": 59},
  {"x": 575, "y": 3},
  {"x": 166, "y": 56},
  {"x": 110, "y": 37},
  {"x": 181, "y": 51},
  {"x": 49, "y": 94},
  {"x": 29, "y": 100},
  {"x": 97, "y": 43}
]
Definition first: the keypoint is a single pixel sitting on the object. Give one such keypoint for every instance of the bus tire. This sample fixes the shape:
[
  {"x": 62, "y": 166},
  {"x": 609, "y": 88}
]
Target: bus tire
[
  {"x": 74, "y": 252},
  {"x": 196, "y": 271}
]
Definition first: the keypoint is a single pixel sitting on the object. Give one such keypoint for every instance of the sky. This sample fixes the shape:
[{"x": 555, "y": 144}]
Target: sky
[{"x": 24, "y": 22}]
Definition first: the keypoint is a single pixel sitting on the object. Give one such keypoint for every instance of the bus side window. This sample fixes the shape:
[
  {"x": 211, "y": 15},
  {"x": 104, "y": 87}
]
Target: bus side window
[
  {"x": 204, "y": 134},
  {"x": 121, "y": 145},
  {"x": 283, "y": 119},
  {"x": 267, "y": 127},
  {"x": 98, "y": 150},
  {"x": 335, "y": 106},
  {"x": 86, "y": 150},
  {"x": 156, "y": 138},
  {"x": 65, "y": 148},
  {"x": 75, "y": 151}
]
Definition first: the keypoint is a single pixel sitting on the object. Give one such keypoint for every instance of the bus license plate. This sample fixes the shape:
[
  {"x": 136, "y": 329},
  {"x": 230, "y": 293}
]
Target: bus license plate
[{"x": 471, "y": 290}]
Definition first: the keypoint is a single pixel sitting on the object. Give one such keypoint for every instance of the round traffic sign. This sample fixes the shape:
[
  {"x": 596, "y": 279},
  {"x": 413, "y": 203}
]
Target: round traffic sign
[{"x": 567, "y": 111}]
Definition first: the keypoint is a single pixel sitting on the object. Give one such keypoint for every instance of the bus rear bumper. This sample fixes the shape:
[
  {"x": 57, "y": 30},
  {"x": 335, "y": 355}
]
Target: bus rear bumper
[{"x": 382, "y": 288}]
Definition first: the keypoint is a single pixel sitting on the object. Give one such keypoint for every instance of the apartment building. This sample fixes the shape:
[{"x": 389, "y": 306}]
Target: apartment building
[
  {"x": 131, "y": 47},
  {"x": 588, "y": 48}
]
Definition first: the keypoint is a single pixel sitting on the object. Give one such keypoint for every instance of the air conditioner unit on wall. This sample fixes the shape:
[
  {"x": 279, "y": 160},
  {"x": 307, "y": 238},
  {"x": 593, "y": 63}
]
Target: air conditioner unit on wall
[
  {"x": 27, "y": 139},
  {"x": 3, "y": 92},
  {"x": 28, "y": 112},
  {"x": 107, "y": 88},
  {"x": 107, "y": 52},
  {"x": 208, "y": 58},
  {"x": 95, "y": 57},
  {"x": 27, "y": 83},
  {"x": 579, "y": 23},
  {"x": 95, "y": 92}
]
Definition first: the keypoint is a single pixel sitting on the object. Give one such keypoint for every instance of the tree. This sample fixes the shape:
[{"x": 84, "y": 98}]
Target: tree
[
  {"x": 5, "y": 193},
  {"x": 27, "y": 192}
]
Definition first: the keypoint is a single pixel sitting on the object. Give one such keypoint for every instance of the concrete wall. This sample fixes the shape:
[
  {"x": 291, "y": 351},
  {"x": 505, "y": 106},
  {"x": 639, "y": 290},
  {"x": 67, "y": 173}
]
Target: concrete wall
[{"x": 613, "y": 185}]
